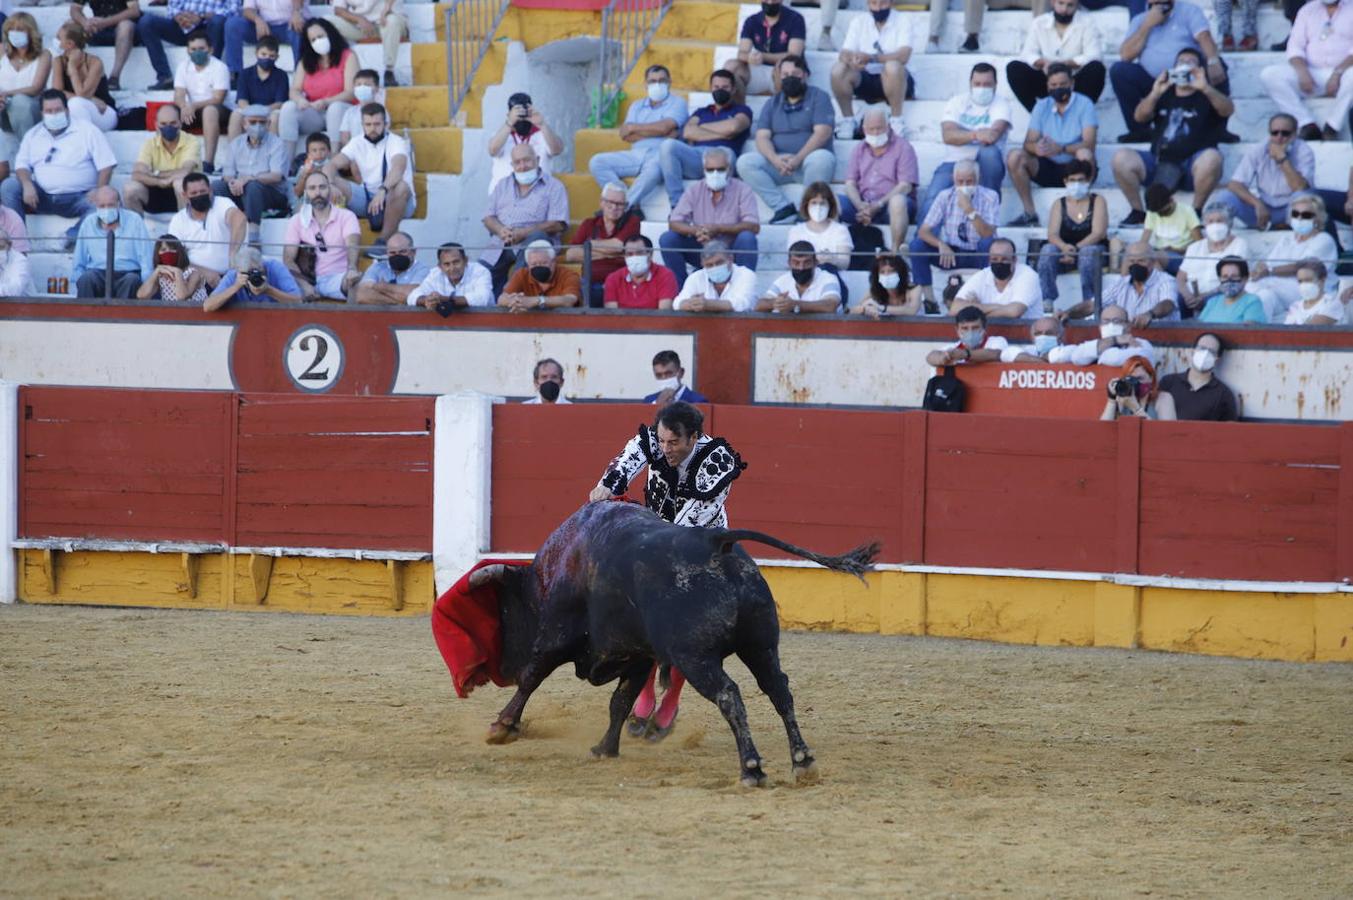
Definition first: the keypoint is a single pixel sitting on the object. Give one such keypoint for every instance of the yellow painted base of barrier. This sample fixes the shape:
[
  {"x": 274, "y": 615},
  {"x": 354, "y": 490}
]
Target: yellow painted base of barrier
[{"x": 1022, "y": 610}]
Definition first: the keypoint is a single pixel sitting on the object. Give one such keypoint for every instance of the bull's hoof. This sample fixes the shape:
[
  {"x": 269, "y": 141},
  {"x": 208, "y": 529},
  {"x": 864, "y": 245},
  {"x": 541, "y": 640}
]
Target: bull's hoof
[
  {"x": 601, "y": 751},
  {"x": 805, "y": 772},
  {"x": 637, "y": 727},
  {"x": 503, "y": 733},
  {"x": 752, "y": 776},
  {"x": 657, "y": 733}
]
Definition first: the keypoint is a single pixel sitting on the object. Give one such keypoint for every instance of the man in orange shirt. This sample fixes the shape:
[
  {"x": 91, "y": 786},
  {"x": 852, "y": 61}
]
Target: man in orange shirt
[{"x": 542, "y": 283}]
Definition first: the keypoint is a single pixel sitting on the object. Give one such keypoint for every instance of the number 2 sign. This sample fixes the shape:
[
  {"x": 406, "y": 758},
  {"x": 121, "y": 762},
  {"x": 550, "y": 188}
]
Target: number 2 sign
[{"x": 313, "y": 358}]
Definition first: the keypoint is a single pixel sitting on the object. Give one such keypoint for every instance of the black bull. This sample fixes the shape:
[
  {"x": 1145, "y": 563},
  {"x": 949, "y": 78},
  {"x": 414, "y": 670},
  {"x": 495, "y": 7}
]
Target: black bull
[{"x": 615, "y": 588}]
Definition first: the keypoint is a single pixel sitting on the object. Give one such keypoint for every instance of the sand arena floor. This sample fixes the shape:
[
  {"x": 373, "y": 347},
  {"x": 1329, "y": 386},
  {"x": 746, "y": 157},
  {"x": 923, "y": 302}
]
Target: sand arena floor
[{"x": 164, "y": 753}]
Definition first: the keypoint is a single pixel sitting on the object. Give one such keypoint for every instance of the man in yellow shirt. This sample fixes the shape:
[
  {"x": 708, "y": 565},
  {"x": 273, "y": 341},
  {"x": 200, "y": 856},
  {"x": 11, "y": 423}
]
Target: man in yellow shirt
[{"x": 156, "y": 185}]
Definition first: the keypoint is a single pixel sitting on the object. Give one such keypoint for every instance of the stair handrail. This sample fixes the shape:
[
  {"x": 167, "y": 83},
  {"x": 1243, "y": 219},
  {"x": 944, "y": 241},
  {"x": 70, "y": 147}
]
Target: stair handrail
[
  {"x": 469, "y": 27},
  {"x": 627, "y": 27}
]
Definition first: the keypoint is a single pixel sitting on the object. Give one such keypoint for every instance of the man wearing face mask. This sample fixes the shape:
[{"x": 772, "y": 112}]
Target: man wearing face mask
[
  {"x": 548, "y": 378},
  {"x": 767, "y": 37},
  {"x": 715, "y": 208},
  {"x": 393, "y": 279},
  {"x": 366, "y": 88},
  {"x": 974, "y": 345},
  {"x": 211, "y": 228},
  {"x": 1047, "y": 346},
  {"x": 542, "y": 283},
  {"x": 1198, "y": 393},
  {"x": 1006, "y": 288},
  {"x": 881, "y": 179},
  {"x": 185, "y": 18},
  {"x": 57, "y": 164},
  {"x": 262, "y": 84},
  {"x": 383, "y": 193},
  {"x": 14, "y": 274},
  {"x": 1064, "y": 127},
  {"x": 156, "y": 185},
  {"x": 1147, "y": 293},
  {"x": 201, "y": 83},
  {"x": 1154, "y": 39},
  {"x": 805, "y": 288},
  {"x": 724, "y": 123},
  {"x": 531, "y": 206},
  {"x": 1319, "y": 55},
  {"x": 132, "y": 248},
  {"x": 669, "y": 374},
  {"x": 252, "y": 175},
  {"x": 1059, "y": 37},
  {"x": 524, "y": 124},
  {"x": 642, "y": 283},
  {"x": 648, "y": 123},
  {"x": 719, "y": 285},
  {"x": 1116, "y": 343},
  {"x": 793, "y": 141},
  {"x": 260, "y": 20},
  {"x": 973, "y": 129},
  {"x": 1270, "y": 175},
  {"x": 958, "y": 230}
]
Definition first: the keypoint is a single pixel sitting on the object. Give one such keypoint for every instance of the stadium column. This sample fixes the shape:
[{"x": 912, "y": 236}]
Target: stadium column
[
  {"x": 9, "y": 489},
  {"x": 462, "y": 464}
]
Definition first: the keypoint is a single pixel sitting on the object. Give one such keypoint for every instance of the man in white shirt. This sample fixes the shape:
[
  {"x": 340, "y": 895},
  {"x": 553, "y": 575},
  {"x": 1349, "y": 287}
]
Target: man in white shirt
[
  {"x": 1058, "y": 36},
  {"x": 211, "y": 228},
  {"x": 718, "y": 285},
  {"x": 548, "y": 376},
  {"x": 805, "y": 288},
  {"x": 974, "y": 126},
  {"x": 973, "y": 346},
  {"x": 1047, "y": 346},
  {"x": 361, "y": 20},
  {"x": 383, "y": 193},
  {"x": 524, "y": 125},
  {"x": 58, "y": 163},
  {"x": 1116, "y": 343},
  {"x": 873, "y": 66},
  {"x": 456, "y": 282},
  {"x": 1004, "y": 289},
  {"x": 14, "y": 275},
  {"x": 200, "y": 86}
]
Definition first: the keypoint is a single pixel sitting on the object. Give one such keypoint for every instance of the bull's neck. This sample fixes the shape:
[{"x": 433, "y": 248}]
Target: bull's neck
[{"x": 520, "y": 617}]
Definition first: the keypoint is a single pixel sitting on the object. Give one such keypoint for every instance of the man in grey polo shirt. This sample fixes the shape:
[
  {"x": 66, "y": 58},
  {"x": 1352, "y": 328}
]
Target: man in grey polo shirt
[
  {"x": 793, "y": 141},
  {"x": 252, "y": 174}
]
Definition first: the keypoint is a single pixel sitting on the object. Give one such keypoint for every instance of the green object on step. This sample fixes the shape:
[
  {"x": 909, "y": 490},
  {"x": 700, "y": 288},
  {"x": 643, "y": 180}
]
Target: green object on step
[{"x": 610, "y": 110}]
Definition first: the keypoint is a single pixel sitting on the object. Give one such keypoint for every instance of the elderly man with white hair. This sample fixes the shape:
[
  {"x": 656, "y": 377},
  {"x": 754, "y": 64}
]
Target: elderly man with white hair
[
  {"x": 14, "y": 276},
  {"x": 605, "y": 234},
  {"x": 716, "y": 207},
  {"x": 530, "y": 205},
  {"x": 253, "y": 176},
  {"x": 881, "y": 179},
  {"x": 131, "y": 261},
  {"x": 254, "y": 279},
  {"x": 542, "y": 283},
  {"x": 958, "y": 229}
]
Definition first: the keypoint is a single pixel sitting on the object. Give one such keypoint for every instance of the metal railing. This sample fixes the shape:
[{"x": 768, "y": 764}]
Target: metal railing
[
  {"x": 469, "y": 27},
  {"x": 626, "y": 28}
]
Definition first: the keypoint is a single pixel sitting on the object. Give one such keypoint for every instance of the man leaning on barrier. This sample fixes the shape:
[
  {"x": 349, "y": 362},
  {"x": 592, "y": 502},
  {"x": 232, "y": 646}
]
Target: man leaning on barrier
[{"x": 132, "y": 247}]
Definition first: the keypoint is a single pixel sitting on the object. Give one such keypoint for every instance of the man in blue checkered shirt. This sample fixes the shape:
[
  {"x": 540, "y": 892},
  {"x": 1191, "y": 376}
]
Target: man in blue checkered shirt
[
  {"x": 957, "y": 230},
  {"x": 185, "y": 16}
]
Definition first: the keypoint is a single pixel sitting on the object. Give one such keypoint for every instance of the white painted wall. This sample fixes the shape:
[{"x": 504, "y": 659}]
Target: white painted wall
[
  {"x": 117, "y": 354},
  {"x": 461, "y": 484}
]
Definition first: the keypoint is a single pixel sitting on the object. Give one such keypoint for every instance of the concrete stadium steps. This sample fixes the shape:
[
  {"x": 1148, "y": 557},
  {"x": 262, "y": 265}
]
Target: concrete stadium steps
[{"x": 426, "y": 102}]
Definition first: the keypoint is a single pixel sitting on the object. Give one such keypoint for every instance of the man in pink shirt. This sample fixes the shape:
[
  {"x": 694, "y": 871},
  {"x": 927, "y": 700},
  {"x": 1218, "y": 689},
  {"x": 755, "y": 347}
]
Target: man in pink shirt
[
  {"x": 881, "y": 179},
  {"x": 1319, "y": 55},
  {"x": 718, "y": 206},
  {"x": 14, "y": 228},
  {"x": 332, "y": 232}
]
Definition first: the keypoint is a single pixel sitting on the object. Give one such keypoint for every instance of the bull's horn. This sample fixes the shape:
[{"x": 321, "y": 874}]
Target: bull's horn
[{"x": 481, "y": 577}]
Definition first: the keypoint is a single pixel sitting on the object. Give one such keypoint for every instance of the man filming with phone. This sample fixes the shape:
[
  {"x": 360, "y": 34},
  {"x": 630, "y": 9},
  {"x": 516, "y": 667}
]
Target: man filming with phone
[{"x": 254, "y": 279}]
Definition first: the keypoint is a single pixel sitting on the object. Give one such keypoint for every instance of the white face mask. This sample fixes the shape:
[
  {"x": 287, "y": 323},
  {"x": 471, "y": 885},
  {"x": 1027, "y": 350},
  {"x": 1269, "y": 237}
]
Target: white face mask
[
  {"x": 1303, "y": 226},
  {"x": 1204, "y": 360},
  {"x": 321, "y": 45},
  {"x": 55, "y": 121},
  {"x": 818, "y": 211},
  {"x": 1111, "y": 329},
  {"x": 668, "y": 384},
  {"x": 1309, "y": 290},
  {"x": 889, "y": 281},
  {"x": 876, "y": 140},
  {"x": 657, "y": 91},
  {"x": 716, "y": 181},
  {"x": 1078, "y": 190},
  {"x": 527, "y": 177},
  {"x": 1216, "y": 231},
  {"x": 18, "y": 39},
  {"x": 363, "y": 92},
  {"x": 983, "y": 96},
  {"x": 637, "y": 265},
  {"x": 965, "y": 189}
]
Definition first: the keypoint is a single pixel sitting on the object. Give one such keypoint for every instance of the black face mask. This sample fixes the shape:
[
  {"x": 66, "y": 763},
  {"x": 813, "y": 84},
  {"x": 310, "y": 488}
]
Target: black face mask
[
  {"x": 540, "y": 273},
  {"x": 880, "y": 15},
  {"x": 375, "y": 140},
  {"x": 1063, "y": 19},
  {"x": 1001, "y": 270},
  {"x": 721, "y": 97},
  {"x": 265, "y": 65},
  {"x": 399, "y": 262},
  {"x": 793, "y": 85},
  {"x": 802, "y": 276},
  {"x": 201, "y": 203},
  {"x": 771, "y": 9},
  {"x": 1139, "y": 273},
  {"x": 522, "y": 127},
  {"x": 549, "y": 391},
  {"x": 1060, "y": 95}
]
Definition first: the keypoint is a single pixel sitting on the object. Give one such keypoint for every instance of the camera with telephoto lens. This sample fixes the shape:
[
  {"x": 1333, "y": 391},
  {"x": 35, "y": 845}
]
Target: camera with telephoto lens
[
  {"x": 445, "y": 307},
  {"x": 256, "y": 279},
  {"x": 1181, "y": 74},
  {"x": 1123, "y": 387}
]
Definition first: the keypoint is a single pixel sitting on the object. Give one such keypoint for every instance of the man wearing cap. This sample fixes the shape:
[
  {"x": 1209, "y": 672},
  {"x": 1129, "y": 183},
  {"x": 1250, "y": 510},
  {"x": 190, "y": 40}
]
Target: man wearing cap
[
  {"x": 524, "y": 125},
  {"x": 252, "y": 174}
]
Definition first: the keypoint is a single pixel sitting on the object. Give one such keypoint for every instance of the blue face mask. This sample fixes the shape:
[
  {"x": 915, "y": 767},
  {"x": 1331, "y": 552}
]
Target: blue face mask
[
  {"x": 1303, "y": 226},
  {"x": 1043, "y": 343},
  {"x": 720, "y": 273},
  {"x": 107, "y": 214}
]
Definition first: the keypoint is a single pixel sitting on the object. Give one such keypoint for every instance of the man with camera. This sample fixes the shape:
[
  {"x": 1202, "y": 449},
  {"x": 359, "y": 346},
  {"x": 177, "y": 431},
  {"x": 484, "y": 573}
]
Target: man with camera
[
  {"x": 524, "y": 125},
  {"x": 1187, "y": 115},
  {"x": 456, "y": 282},
  {"x": 254, "y": 279},
  {"x": 393, "y": 279}
]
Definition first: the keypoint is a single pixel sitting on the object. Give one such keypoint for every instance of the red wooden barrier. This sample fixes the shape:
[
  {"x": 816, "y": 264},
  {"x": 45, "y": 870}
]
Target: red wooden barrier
[{"x": 1019, "y": 389}]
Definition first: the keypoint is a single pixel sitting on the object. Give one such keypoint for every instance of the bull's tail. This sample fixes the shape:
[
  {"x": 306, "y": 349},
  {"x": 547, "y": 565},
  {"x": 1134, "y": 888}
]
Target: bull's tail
[{"x": 854, "y": 562}]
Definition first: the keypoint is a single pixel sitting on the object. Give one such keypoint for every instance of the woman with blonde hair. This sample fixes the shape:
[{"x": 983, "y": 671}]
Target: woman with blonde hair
[
  {"x": 80, "y": 75},
  {"x": 24, "y": 67}
]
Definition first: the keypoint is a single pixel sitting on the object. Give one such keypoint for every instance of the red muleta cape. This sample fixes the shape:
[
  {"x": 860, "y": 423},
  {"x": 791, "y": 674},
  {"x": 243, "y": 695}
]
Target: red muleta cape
[{"x": 468, "y": 631}]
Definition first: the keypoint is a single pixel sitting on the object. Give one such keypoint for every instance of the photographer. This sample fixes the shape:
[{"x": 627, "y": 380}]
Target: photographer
[
  {"x": 254, "y": 280},
  {"x": 1135, "y": 393},
  {"x": 524, "y": 125}
]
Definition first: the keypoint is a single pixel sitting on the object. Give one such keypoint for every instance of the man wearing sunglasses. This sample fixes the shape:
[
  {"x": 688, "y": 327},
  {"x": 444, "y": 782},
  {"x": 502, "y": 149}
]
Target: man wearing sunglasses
[
  {"x": 1262, "y": 186},
  {"x": 333, "y": 233}
]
